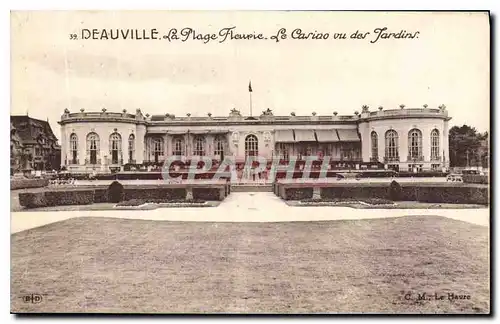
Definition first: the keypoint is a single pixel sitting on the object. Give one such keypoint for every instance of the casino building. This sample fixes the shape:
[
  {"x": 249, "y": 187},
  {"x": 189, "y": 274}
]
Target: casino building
[{"x": 401, "y": 139}]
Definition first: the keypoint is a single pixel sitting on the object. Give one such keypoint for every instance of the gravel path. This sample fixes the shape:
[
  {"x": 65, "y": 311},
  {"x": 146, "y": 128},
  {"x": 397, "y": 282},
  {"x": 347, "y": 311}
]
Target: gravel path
[{"x": 247, "y": 207}]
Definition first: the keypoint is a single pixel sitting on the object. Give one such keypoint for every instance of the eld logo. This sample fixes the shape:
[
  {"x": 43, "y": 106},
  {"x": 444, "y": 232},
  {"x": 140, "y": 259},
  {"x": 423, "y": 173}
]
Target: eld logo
[{"x": 33, "y": 298}]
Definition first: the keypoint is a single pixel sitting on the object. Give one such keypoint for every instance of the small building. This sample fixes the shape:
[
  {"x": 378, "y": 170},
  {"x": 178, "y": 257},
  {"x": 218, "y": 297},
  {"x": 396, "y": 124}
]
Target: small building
[{"x": 33, "y": 145}]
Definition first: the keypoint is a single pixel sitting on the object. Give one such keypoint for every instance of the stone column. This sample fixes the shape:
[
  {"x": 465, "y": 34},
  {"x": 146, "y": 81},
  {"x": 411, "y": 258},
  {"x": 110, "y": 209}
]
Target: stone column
[
  {"x": 64, "y": 145},
  {"x": 147, "y": 143},
  {"x": 187, "y": 143},
  {"x": 444, "y": 145},
  {"x": 139, "y": 144},
  {"x": 366, "y": 144},
  {"x": 403, "y": 143},
  {"x": 229, "y": 145},
  {"x": 124, "y": 149},
  {"x": 426, "y": 144},
  {"x": 83, "y": 152},
  {"x": 381, "y": 145},
  {"x": 167, "y": 148}
]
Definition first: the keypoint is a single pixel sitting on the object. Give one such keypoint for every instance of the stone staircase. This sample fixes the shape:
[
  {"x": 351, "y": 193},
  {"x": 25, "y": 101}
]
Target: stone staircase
[{"x": 252, "y": 187}]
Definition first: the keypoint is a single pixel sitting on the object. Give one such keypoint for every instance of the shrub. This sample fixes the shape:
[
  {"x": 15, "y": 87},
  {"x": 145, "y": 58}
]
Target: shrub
[
  {"x": 395, "y": 191},
  {"x": 115, "y": 192}
]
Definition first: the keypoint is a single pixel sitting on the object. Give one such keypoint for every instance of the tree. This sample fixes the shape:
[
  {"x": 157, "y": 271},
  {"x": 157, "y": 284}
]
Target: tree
[{"x": 465, "y": 146}]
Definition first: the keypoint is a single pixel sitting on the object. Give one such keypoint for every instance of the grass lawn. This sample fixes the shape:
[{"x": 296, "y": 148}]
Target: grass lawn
[{"x": 376, "y": 265}]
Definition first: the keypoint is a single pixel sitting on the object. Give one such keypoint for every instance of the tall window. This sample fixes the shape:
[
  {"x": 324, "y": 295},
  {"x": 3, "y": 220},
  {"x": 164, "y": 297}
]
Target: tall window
[
  {"x": 374, "y": 139},
  {"x": 435, "y": 144},
  {"x": 115, "y": 147},
  {"x": 218, "y": 146},
  {"x": 415, "y": 143},
  {"x": 282, "y": 150},
  {"x": 251, "y": 146},
  {"x": 73, "y": 147},
  {"x": 391, "y": 144},
  {"x": 131, "y": 148},
  {"x": 157, "y": 148},
  {"x": 93, "y": 147},
  {"x": 347, "y": 152},
  {"x": 178, "y": 147},
  {"x": 199, "y": 146}
]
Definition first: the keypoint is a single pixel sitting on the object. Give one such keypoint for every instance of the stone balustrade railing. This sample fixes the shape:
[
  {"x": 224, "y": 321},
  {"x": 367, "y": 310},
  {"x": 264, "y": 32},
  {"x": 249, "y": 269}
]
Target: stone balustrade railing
[{"x": 391, "y": 113}]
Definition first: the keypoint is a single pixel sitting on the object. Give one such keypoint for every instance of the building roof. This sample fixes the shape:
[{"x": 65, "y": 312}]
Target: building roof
[
  {"x": 235, "y": 117},
  {"x": 30, "y": 129}
]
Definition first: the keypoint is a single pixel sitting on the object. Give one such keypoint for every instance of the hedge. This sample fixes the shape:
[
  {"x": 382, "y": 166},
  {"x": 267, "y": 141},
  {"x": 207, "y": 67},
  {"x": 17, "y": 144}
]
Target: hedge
[
  {"x": 421, "y": 174},
  {"x": 56, "y": 198},
  {"x": 355, "y": 192},
  {"x": 475, "y": 178},
  {"x": 89, "y": 195},
  {"x": 158, "y": 175},
  {"x": 312, "y": 174},
  {"x": 445, "y": 193},
  {"x": 206, "y": 194},
  {"x": 28, "y": 183},
  {"x": 101, "y": 195},
  {"x": 298, "y": 193},
  {"x": 451, "y": 194},
  {"x": 155, "y": 193}
]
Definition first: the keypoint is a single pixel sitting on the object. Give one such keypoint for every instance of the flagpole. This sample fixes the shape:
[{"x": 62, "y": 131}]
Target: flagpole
[
  {"x": 250, "y": 93},
  {"x": 250, "y": 104}
]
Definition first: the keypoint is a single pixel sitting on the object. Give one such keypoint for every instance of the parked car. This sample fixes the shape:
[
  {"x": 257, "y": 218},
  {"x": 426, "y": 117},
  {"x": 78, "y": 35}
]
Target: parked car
[
  {"x": 471, "y": 171},
  {"x": 454, "y": 178}
]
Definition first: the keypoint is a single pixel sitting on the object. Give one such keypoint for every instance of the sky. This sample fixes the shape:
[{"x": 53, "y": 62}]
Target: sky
[{"x": 447, "y": 64}]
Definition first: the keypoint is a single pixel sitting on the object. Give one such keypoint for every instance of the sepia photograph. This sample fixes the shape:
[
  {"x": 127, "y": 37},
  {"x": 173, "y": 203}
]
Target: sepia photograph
[{"x": 250, "y": 162}]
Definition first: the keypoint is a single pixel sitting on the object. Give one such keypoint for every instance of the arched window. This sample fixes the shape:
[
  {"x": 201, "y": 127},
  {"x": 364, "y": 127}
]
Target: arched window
[
  {"x": 199, "y": 146},
  {"x": 131, "y": 148},
  {"x": 219, "y": 146},
  {"x": 415, "y": 144},
  {"x": 251, "y": 146},
  {"x": 374, "y": 140},
  {"x": 115, "y": 148},
  {"x": 93, "y": 147},
  {"x": 157, "y": 148},
  {"x": 391, "y": 145},
  {"x": 179, "y": 147},
  {"x": 73, "y": 147},
  {"x": 435, "y": 145}
]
